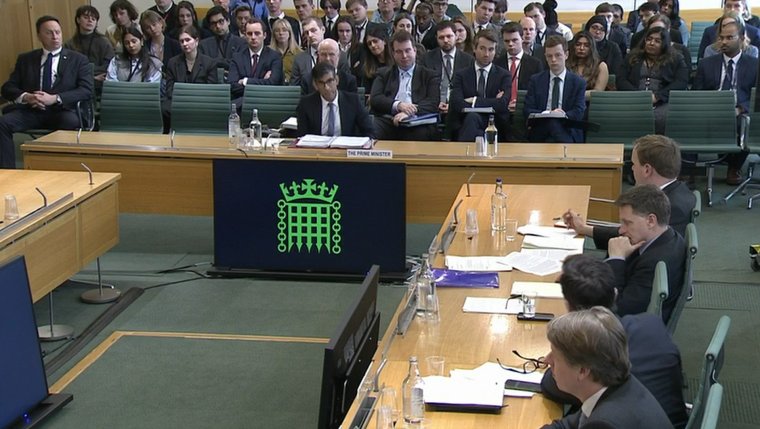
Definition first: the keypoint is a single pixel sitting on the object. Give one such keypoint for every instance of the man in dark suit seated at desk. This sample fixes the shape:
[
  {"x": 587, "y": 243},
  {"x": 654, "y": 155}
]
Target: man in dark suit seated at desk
[
  {"x": 224, "y": 45},
  {"x": 557, "y": 90},
  {"x": 655, "y": 360},
  {"x": 656, "y": 161},
  {"x": 257, "y": 65},
  {"x": 330, "y": 111},
  {"x": 44, "y": 89},
  {"x": 485, "y": 85},
  {"x": 590, "y": 360},
  {"x": 402, "y": 91}
]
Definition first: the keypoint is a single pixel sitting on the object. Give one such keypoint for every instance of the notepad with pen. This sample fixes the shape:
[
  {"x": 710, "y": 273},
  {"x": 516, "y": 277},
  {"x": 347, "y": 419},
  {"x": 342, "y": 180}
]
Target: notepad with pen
[{"x": 469, "y": 279}]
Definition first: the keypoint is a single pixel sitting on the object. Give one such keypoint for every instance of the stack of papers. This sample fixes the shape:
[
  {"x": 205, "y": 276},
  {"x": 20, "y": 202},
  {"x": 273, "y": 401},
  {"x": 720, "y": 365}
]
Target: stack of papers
[
  {"x": 342, "y": 142},
  {"x": 474, "y": 304},
  {"x": 556, "y": 242},
  {"x": 542, "y": 289},
  {"x": 463, "y": 392},
  {"x": 477, "y": 263},
  {"x": 290, "y": 124},
  {"x": 493, "y": 372},
  {"x": 534, "y": 264}
]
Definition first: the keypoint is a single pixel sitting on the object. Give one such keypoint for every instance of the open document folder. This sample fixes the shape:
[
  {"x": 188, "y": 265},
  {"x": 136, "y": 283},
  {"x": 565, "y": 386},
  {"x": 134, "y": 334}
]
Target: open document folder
[{"x": 340, "y": 142}]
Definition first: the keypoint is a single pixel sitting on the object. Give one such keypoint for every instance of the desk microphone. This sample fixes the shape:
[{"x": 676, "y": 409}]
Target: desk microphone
[
  {"x": 88, "y": 171},
  {"x": 79, "y": 134},
  {"x": 44, "y": 198},
  {"x": 172, "y": 138},
  {"x": 564, "y": 151},
  {"x": 468, "y": 183},
  {"x": 243, "y": 152}
]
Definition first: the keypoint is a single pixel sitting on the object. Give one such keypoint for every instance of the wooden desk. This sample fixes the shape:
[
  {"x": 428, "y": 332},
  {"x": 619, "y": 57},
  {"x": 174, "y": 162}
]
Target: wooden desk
[
  {"x": 466, "y": 340},
  {"x": 157, "y": 178},
  {"x": 59, "y": 242}
]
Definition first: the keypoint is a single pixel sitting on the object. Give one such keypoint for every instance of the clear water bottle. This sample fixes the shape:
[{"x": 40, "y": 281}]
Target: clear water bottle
[
  {"x": 233, "y": 127},
  {"x": 425, "y": 286},
  {"x": 499, "y": 208},
  {"x": 255, "y": 128},
  {"x": 411, "y": 392},
  {"x": 492, "y": 136}
]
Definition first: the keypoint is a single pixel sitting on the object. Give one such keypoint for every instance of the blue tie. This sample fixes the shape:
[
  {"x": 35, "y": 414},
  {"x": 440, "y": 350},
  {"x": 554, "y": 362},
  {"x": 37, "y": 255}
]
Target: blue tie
[
  {"x": 47, "y": 73},
  {"x": 331, "y": 119}
]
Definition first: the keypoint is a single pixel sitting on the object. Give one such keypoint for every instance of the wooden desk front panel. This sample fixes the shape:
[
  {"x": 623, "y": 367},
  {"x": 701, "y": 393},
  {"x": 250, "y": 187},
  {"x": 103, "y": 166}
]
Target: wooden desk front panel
[{"x": 98, "y": 224}]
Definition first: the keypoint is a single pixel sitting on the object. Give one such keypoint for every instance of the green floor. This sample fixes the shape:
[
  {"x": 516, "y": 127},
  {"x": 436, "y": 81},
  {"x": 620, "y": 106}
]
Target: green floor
[{"x": 172, "y": 382}]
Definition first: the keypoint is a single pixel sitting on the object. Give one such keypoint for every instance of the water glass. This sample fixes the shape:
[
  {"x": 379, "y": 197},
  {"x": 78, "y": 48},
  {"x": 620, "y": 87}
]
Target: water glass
[
  {"x": 511, "y": 231},
  {"x": 481, "y": 148},
  {"x": 529, "y": 304},
  {"x": 471, "y": 223},
  {"x": 11, "y": 208},
  {"x": 436, "y": 365}
]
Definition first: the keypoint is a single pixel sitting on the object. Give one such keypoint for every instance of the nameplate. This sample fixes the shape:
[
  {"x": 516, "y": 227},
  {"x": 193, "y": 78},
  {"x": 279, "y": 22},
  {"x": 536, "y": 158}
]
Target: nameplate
[{"x": 369, "y": 153}]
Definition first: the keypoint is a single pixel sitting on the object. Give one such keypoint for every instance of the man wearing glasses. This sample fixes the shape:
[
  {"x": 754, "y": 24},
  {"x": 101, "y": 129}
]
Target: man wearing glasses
[
  {"x": 332, "y": 112},
  {"x": 224, "y": 44},
  {"x": 655, "y": 360}
]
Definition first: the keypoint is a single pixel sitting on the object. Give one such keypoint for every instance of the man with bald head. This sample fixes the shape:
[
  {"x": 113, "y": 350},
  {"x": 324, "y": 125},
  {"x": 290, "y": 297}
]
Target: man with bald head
[
  {"x": 328, "y": 51},
  {"x": 530, "y": 46}
]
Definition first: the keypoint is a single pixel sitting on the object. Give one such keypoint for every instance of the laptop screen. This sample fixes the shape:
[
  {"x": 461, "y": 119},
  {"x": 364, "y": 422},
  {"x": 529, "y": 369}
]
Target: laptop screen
[
  {"x": 309, "y": 216},
  {"x": 23, "y": 383}
]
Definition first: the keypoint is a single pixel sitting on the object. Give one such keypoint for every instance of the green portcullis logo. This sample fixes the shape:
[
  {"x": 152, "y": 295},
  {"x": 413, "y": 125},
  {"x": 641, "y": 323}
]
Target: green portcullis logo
[{"x": 308, "y": 218}]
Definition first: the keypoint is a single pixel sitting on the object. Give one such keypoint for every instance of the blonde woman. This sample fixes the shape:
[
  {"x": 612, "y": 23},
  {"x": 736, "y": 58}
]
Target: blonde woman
[{"x": 284, "y": 42}]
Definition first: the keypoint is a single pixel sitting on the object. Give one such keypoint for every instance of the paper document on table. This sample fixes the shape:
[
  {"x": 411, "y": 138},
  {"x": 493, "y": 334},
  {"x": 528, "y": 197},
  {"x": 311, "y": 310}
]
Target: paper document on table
[
  {"x": 345, "y": 142},
  {"x": 290, "y": 124},
  {"x": 556, "y": 242},
  {"x": 463, "y": 392},
  {"x": 477, "y": 263},
  {"x": 492, "y": 371},
  {"x": 553, "y": 254},
  {"x": 474, "y": 304},
  {"x": 546, "y": 231},
  {"x": 542, "y": 289},
  {"x": 533, "y": 264}
]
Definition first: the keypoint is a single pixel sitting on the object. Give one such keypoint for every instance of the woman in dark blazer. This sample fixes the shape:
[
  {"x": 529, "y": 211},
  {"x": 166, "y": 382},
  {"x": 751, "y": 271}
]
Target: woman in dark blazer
[
  {"x": 160, "y": 46},
  {"x": 188, "y": 67},
  {"x": 654, "y": 66}
]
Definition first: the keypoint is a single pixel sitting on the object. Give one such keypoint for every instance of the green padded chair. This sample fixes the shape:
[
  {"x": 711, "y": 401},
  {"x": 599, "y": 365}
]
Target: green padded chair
[
  {"x": 131, "y": 107},
  {"x": 623, "y": 117},
  {"x": 697, "y": 210},
  {"x": 695, "y": 38},
  {"x": 275, "y": 103},
  {"x": 711, "y": 367},
  {"x": 519, "y": 125},
  {"x": 692, "y": 247},
  {"x": 659, "y": 289},
  {"x": 199, "y": 108},
  {"x": 712, "y": 408},
  {"x": 703, "y": 122}
]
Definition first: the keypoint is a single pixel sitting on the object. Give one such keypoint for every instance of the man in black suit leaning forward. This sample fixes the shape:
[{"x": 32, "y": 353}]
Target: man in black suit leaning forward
[
  {"x": 331, "y": 112},
  {"x": 43, "y": 89},
  {"x": 403, "y": 91},
  {"x": 485, "y": 85},
  {"x": 589, "y": 360}
]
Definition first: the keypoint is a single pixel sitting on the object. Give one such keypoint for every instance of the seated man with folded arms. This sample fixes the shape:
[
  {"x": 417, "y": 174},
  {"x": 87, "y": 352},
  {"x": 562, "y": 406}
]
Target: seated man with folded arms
[
  {"x": 484, "y": 85},
  {"x": 556, "y": 90},
  {"x": 656, "y": 161},
  {"x": 403, "y": 91},
  {"x": 655, "y": 360},
  {"x": 330, "y": 111},
  {"x": 589, "y": 360},
  {"x": 257, "y": 65},
  {"x": 645, "y": 239},
  {"x": 224, "y": 45},
  {"x": 328, "y": 51}
]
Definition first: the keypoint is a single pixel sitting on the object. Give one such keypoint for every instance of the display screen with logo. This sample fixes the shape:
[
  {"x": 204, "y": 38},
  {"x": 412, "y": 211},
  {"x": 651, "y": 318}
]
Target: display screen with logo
[{"x": 309, "y": 216}]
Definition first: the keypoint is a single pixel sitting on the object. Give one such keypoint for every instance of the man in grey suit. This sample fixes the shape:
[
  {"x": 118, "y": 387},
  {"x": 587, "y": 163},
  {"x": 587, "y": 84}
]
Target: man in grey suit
[
  {"x": 589, "y": 360},
  {"x": 314, "y": 32}
]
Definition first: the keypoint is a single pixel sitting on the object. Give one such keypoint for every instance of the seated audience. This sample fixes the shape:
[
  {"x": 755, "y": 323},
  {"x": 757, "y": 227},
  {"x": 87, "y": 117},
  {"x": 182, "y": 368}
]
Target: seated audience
[
  {"x": 656, "y": 161},
  {"x": 258, "y": 7},
  {"x": 645, "y": 12},
  {"x": 614, "y": 33},
  {"x": 313, "y": 34},
  {"x": 710, "y": 34},
  {"x": 156, "y": 42},
  {"x": 538, "y": 14},
  {"x": 567, "y": 96},
  {"x": 463, "y": 33},
  {"x": 424, "y": 26},
  {"x": 732, "y": 70},
  {"x": 284, "y": 42},
  {"x": 90, "y": 43},
  {"x": 530, "y": 45},
  {"x": 484, "y": 85},
  {"x": 662, "y": 21},
  {"x": 241, "y": 15},
  {"x": 609, "y": 52},
  {"x": 384, "y": 14},
  {"x": 224, "y": 45},
  {"x": 123, "y": 15},
  {"x": 257, "y": 65},
  {"x": 362, "y": 25},
  {"x": 439, "y": 11},
  {"x": 331, "y": 10},
  {"x": 304, "y": 9},
  {"x": 275, "y": 13},
  {"x": 584, "y": 61},
  {"x": 345, "y": 34},
  {"x": 617, "y": 25},
  {"x": 589, "y": 360},
  {"x": 376, "y": 54},
  {"x": 655, "y": 67},
  {"x": 403, "y": 91},
  {"x": 167, "y": 10},
  {"x": 746, "y": 48},
  {"x": 655, "y": 360},
  {"x": 330, "y": 111},
  {"x": 186, "y": 15},
  {"x": 404, "y": 22},
  {"x": 135, "y": 64},
  {"x": 672, "y": 10},
  {"x": 43, "y": 93},
  {"x": 328, "y": 52}
]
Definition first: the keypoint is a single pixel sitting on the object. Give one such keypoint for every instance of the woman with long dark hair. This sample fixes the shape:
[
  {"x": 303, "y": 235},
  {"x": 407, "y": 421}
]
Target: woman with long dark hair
[
  {"x": 463, "y": 33},
  {"x": 657, "y": 67},
  {"x": 89, "y": 42},
  {"x": 377, "y": 54},
  {"x": 672, "y": 10},
  {"x": 584, "y": 61},
  {"x": 123, "y": 15},
  {"x": 135, "y": 64},
  {"x": 186, "y": 15}
]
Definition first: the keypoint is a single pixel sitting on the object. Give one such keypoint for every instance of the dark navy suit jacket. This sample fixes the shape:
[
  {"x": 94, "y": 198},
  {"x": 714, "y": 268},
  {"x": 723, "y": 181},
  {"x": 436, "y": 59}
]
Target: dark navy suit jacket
[
  {"x": 710, "y": 35},
  {"x": 573, "y": 98},
  {"x": 465, "y": 86},
  {"x": 426, "y": 91},
  {"x": 710, "y": 69},
  {"x": 354, "y": 118},
  {"x": 527, "y": 67},
  {"x": 269, "y": 60}
]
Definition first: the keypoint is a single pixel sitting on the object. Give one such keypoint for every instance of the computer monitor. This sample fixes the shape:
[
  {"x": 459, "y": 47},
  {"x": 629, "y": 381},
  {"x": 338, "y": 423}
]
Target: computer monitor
[
  {"x": 314, "y": 217},
  {"x": 24, "y": 398},
  {"x": 349, "y": 353}
]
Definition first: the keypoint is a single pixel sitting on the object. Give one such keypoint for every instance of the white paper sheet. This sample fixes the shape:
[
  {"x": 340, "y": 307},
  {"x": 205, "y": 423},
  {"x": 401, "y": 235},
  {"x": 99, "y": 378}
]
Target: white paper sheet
[
  {"x": 533, "y": 264},
  {"x": 546, "y": 231},
  {"x": 477, "y": 263},
  {"x": 542, "y": 289},
  {"x": 463, "y": 391},
  {"x": 555, "y": 242},
  {"x": 474, "y": 304}
]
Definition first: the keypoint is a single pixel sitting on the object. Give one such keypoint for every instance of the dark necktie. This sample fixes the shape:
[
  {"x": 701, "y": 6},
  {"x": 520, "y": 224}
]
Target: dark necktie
[
  {"x": 555, "y": 93},
  {"x": 254, "y": 64},
  {"x": 729, "y": 79},
  {"x": 47, "y": 73},
  {"x": 331, "y": 119},
  {"x": 329, "y": 25},
  {"x": 446, "y": 81},
  {"x": 539, "y": 34},
  {"x": 482, "y": 83}
]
